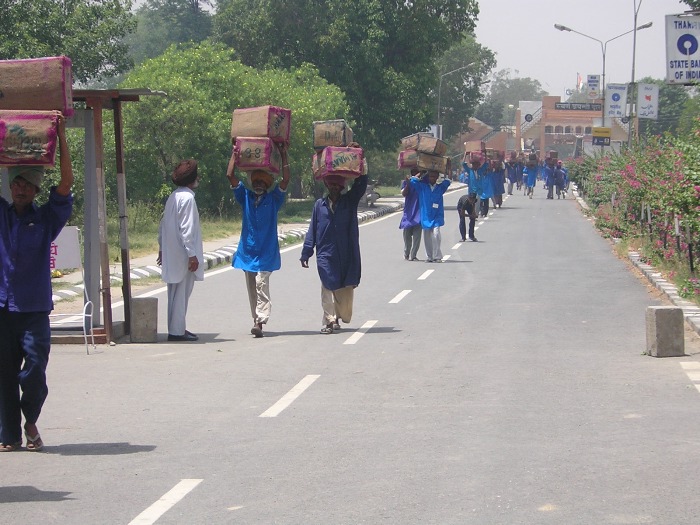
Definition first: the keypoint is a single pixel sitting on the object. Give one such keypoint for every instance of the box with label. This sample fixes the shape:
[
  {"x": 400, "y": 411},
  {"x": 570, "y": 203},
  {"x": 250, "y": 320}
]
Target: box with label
[
  {"x": 408, "y": 159},
  {"x": 348, "y": 162},
  {"x": 411, "y": 142},
  {"x": 28, "y": 137},
  {"x": 41, "y": 84},
  {"x": 258, "y": 153},
  {"x": 431, "y": 145},
  {"x": 474, "y": 145},
  {"x": 331, "y": 133},
  {"x": 432, "y": 162},
  {"x": 264, "y": 121}
]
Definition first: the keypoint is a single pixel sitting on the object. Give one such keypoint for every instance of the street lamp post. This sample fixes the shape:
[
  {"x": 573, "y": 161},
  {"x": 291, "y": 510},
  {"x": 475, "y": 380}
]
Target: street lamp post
[
  {"x": 440, "y": 92},
  {"x": 603, "y": 48}
]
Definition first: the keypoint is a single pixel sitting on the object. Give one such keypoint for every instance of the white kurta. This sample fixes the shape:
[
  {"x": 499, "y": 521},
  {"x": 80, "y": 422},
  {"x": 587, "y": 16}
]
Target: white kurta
[{"x": 180, "y": 236}]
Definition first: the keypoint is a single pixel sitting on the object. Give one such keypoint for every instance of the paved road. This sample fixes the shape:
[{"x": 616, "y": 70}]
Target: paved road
[{"x": 506, "y": 385}]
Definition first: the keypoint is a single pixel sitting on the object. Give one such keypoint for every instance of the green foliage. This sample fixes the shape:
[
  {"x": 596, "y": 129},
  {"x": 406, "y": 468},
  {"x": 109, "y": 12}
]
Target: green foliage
[
  {"x": 461, "y": 90},
  {"x": 90, "y": 33},
  {"x": 203, "y": 85},
  {"x": 162, "y": 23},
  {"x": 381, "y": 54},
  {"x": 504, "y": 90},
  {"x": 661, "y": 178}
]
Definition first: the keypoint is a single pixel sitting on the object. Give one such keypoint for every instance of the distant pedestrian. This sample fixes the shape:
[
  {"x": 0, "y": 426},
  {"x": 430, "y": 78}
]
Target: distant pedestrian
[
  {"x": 499, "y": 182},
  {"x": 530, "y": 173},
  {"x": 181, "y": 252},
  {"x": 466, "y": 208},
  {"x": 258, "y": 251},
  {"x": 432, "y": 211},
  {"x": 334, "y": 234},
  {"x": 410, "y": 220}
]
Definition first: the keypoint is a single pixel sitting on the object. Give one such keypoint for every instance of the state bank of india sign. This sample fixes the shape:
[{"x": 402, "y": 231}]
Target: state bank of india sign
[{"x": 682, "y": 49}]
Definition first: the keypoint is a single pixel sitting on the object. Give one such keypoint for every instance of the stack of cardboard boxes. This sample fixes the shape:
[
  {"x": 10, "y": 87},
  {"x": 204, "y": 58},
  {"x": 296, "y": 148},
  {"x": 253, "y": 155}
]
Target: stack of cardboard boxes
[
  {"x": 334, "y": 156},
  {"x": 256, "y": 133},
  {"x": 31, "y": 92},
  {"x": 424, "y": 152}
]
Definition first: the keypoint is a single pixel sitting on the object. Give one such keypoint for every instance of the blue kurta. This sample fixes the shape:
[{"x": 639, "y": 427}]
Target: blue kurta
[
  {"x": 499, "y": 181},
  {"x": 476, "y": 178},
  {"x": 487, "y": 185},
  {"x": 432, "y": 210},
  {"x": 530, "y": 176},
  {"x": 259, "y": 249},
  {"x": 335, "y": 235},
  {"x": 411, "y": 210},
  {"x": 25, "y": 252}
]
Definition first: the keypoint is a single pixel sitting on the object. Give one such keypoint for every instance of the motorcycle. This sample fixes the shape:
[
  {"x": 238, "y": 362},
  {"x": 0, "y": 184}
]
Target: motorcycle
[{"x": 371, "y": 194}]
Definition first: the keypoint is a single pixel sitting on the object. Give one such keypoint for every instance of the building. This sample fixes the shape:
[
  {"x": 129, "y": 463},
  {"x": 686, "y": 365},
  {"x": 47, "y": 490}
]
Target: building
[{"x": 549, "y": 125}]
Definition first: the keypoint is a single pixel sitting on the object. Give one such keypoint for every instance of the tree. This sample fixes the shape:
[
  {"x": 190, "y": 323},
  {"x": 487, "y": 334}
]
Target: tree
[
  {"x": 505, "y": 91},
  {"x": 381, "y": 54},
  {"x": 461, "y": 90},
  {"x": 694, "y": 4},
  {"x": 165, "y": 22},
  {"x": 203, "y": 85},
  {"x": 90, "y": 33}
]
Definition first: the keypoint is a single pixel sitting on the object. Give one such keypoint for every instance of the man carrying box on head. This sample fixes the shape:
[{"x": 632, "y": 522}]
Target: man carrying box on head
[
  {"x": 26, "y": 234},
  {"x": 334, "y": 233},
  {"x": 432, "y": 211},
  {"x": 258, "y": 252}
]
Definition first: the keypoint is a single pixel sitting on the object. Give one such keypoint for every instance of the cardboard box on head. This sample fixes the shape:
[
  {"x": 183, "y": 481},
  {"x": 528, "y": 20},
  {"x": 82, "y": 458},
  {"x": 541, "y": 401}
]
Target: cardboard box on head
[
  {"x": 258, "y": 153},
  {"x": 264, "y": 121},
  {"x": 348, "y": 162},
  {"x": 411, "y": 141},
  {"x": 331, "y": 133},
  {"x": 28, "y": 137},
  {"x": 39, "y": 84}
]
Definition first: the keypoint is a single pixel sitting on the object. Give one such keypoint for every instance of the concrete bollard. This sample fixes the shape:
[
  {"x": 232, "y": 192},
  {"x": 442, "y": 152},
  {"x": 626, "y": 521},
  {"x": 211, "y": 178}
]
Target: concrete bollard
[
  {"x": 144, "y": 320},
  {"x": 665, "y": 335}
]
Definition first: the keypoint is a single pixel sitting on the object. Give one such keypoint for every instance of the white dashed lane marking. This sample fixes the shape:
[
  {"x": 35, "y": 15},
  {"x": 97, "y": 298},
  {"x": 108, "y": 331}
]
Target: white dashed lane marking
[
  {"x": 425, "y": 275},
  {"x": 290, "y": 396},
  {"x": 400, "y": 296},
  {"x": 166, "y": 502},
  {"x": 354, "y": 338}
]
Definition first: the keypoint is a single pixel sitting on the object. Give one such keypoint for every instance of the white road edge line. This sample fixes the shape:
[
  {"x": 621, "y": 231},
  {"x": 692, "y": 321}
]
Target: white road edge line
[
  {"x": 425, "y": 275},
  {"x": 290, "y": 396},
  {"x": 400, "y": 296},
  {"x": 354, "y": 338},
  {"x": 166, "y": 502}
]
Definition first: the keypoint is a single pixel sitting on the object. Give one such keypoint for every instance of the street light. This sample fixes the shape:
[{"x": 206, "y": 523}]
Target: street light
[
  {"x": 440, "y": 91},
  {"x": 603, "y": 48}
]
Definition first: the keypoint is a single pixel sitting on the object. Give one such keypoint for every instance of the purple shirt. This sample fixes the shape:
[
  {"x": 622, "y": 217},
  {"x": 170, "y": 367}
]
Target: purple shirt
[
  {"x": 411, "y": 208},
  {"x": 25, "y": 252}
]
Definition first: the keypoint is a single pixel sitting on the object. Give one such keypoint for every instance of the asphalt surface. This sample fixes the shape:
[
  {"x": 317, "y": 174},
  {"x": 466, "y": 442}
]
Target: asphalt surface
[{"x": 506, "y": 385}]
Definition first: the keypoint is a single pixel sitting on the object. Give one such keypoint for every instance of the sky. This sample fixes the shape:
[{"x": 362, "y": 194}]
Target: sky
[{"x": 522, "y": 34}]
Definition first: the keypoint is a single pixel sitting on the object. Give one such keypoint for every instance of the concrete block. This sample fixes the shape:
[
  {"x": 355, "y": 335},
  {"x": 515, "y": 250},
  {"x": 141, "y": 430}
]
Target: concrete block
[
  {"x": 665, "y": 335},
  {"x": 144, "y": 320}
]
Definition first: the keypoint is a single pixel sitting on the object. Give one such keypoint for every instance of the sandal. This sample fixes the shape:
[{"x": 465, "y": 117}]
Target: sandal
[
  {"x": 10, "y": 447},
  {"x": 328, "y": 329},
  {"x": 336, "y": 325},
  {"x": 34, "y": 444}
]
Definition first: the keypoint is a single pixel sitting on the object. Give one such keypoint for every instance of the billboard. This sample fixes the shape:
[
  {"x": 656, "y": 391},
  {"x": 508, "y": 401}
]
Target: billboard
[{"x": 682, "y": 53}]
